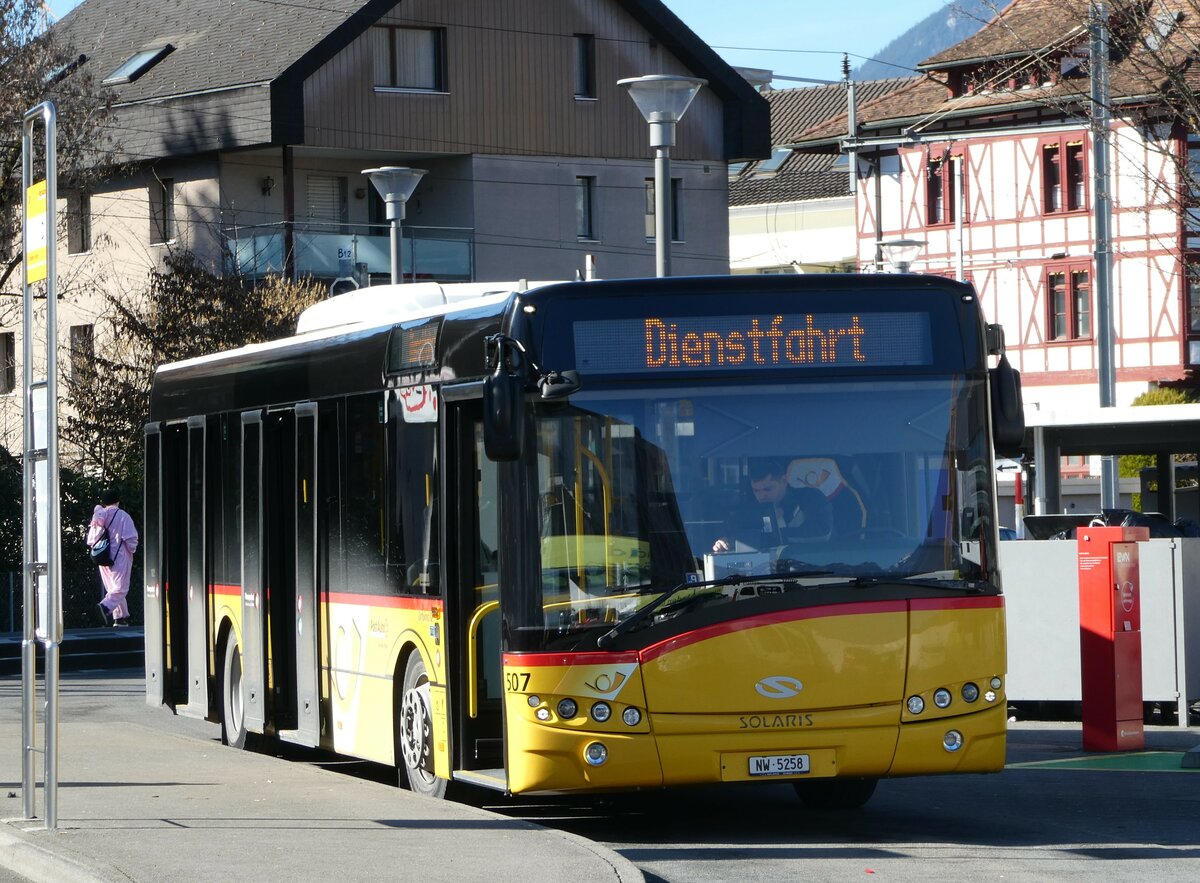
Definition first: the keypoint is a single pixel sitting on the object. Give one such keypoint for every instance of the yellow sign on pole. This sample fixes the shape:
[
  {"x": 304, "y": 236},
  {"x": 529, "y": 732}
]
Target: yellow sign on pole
[{"x": 36, "y": 239}]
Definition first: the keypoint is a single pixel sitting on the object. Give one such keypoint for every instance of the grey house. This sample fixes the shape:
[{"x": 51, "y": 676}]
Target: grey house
[{"x": 249, "y": 124}]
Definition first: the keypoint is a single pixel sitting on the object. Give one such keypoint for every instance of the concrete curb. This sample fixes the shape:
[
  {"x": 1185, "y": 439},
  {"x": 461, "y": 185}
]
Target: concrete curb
[
  {"x": 1191, "y": 759},
  {"x": 22, "y": 856}
]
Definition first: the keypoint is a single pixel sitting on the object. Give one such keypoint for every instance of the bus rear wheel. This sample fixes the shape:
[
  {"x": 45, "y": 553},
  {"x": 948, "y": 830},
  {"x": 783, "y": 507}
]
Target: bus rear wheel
[
  {"x": 414, "y": 732},
  {"x": 835, "y": 793},
  {"x": 233, "y": 712}
]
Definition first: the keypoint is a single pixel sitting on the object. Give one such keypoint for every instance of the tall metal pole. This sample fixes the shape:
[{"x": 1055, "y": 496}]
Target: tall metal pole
[
  {"x": 395, "y": 248},
  {"x": 1100, "y": 93},
  {"x": 43, "y": 549},
  {"x": 662, "y": 210}
]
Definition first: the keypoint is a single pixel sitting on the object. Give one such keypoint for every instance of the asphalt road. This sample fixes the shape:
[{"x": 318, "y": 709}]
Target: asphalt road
[{"x": 1027, "y": 823}]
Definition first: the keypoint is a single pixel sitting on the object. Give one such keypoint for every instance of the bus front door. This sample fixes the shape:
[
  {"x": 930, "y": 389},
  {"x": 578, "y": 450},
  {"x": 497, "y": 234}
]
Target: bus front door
[{"x": 473, "y": 576}]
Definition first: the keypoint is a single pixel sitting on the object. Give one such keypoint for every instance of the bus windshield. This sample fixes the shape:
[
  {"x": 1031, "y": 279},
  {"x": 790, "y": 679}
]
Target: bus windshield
[{"x": 644, "y": 489}]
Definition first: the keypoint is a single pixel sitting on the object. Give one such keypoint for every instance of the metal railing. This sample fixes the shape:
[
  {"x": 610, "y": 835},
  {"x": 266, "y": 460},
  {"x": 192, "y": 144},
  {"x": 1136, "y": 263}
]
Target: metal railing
[{"x": 328, "y": 250}]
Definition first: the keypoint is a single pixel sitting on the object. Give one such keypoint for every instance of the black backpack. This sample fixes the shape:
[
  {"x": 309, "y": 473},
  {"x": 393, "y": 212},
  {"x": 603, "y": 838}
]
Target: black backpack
[{"x": 102, "y": 552}]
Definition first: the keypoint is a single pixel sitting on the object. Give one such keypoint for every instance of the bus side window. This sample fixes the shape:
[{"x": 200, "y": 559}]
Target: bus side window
[
  {"x": 413, "y": 548},
  {"x": 366, "y": 465}
]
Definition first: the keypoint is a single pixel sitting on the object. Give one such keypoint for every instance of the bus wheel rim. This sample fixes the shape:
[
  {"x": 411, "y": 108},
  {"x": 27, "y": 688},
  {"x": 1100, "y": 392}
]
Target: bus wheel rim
[{"x": 415, "y": 729}]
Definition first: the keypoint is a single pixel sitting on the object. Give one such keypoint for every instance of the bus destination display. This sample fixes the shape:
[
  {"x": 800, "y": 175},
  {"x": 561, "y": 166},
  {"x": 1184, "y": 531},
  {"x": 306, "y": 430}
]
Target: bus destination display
[{"x": 798, "y": 340}]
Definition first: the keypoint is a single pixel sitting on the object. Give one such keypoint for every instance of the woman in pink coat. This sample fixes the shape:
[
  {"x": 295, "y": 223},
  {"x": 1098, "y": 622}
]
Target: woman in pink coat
[{"x": 123, "y": 538}]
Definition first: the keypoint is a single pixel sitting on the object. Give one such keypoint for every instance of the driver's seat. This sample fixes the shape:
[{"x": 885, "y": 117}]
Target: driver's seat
[{"x": 824, "y": 475}]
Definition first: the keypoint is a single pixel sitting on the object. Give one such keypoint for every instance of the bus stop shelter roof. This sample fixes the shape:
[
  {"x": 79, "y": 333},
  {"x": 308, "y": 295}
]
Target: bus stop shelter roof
[{"x": 1118, "y": 430}]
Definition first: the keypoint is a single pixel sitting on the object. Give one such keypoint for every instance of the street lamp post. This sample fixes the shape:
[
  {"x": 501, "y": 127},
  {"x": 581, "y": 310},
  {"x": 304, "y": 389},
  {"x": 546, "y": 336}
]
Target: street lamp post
[
  {"x": 662, "y": 99},
  {"x": 395, "y": 184},
  {"x": 900, "y": 253}
]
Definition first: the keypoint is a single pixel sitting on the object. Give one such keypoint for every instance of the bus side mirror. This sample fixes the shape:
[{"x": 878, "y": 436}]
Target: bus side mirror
[
  {"x": 503, "y": 415},
  {"x": 1008, "y": 412}
]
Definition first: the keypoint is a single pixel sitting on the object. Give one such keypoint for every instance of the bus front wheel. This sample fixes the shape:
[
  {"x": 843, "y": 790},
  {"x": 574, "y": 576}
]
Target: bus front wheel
[
  {"x": 414, "y": 732},
  {"x": 233, "y": 712},
  {"x": 835, "y": 793}
]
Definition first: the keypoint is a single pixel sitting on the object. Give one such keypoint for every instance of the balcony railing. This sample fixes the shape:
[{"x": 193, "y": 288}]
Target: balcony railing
[{"x": 332, "y": 251}]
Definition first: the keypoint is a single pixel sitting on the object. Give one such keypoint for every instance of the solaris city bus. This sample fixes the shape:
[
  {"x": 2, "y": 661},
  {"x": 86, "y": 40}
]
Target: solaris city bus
[{"x": 508, "y": 537}]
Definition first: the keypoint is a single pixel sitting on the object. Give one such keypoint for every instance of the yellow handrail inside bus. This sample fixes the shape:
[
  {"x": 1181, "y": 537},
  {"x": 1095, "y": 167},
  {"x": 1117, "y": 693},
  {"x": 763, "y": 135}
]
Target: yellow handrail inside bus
[
  {"x": 606, "y": 501},
  {"x": 473, "y": 655}
]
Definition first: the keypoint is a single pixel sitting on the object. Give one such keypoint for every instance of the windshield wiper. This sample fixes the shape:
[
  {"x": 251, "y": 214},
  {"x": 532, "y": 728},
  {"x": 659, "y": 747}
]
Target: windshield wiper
[
  {"x": 642, "y": 615},
  {"x": 949, "y": 585}
]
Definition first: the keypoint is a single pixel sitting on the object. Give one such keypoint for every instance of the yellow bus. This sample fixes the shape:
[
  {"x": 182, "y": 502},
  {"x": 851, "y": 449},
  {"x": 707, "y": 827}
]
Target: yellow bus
[{"x": 594, "y": 536}]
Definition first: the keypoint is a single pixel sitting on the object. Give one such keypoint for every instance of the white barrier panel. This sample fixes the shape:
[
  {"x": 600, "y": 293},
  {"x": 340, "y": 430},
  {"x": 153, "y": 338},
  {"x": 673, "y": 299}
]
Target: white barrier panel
[{"x": 1041, "y": 591}]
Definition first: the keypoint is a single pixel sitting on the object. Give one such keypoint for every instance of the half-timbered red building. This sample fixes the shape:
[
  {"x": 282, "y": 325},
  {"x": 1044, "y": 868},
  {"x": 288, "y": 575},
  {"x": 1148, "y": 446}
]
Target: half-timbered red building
[{"x": 987, "y": 160}]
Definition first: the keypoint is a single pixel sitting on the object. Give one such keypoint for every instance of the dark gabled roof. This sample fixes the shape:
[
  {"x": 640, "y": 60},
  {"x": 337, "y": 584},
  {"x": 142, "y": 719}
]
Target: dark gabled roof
[
  {"x": 219, "y": 44},
  {"x": 804, "y": 176},
  {"x": 227, "y": 44}
]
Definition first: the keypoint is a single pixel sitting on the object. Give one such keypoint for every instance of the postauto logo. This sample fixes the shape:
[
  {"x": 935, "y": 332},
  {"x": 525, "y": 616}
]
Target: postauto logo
[{"x": 779, "y": 687}]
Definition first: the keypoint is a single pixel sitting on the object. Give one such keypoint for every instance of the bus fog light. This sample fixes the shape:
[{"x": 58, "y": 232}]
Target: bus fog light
[
  {"x": 595, "y": 754},
  {"x": 631, "y": 716},
  {"x": 970, "y": 692},
  {"x": 989, "y": 696},
  {"x": 534, "y": 701},
  {"x": 543, "y": 714},
  {"x": 600, "y": 713},
  {"x": 567, "y": 709},
  {"x": 996, "y": 683},
  {"x": 915, "y": 704},
  {"x": 953, "y": 740},
  {"x": 942, "y": 698}
]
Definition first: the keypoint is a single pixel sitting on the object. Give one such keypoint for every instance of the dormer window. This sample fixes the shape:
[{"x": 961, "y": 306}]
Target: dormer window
[
  {"x": 137, "y": 64},
  {"x": 771, "y": 166}
]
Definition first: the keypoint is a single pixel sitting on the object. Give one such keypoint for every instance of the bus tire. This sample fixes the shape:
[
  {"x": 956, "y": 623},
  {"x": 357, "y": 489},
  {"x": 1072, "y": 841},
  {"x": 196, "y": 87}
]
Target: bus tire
[
  {"x": 835, "y": 793},
  {"x": 233, "y": 711},
  {"x": 414, "y": 732}
]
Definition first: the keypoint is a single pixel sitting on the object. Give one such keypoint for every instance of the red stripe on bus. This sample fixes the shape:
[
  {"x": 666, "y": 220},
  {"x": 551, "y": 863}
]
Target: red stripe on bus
[
  {"x": 781, "y": 616},
  {"x": 988, "y": 602},
  {"x": 531, "y": 660},
  {"x": 404, "y": 602}
]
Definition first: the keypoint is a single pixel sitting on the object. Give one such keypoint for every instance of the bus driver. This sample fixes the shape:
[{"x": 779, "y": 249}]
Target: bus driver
[{"x": 783, "y": 512}]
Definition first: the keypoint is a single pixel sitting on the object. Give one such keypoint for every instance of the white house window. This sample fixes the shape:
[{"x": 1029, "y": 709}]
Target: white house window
[
  {"x": 328, "y": 206},
  {"x": 1069, "y": 297},
  {"x": 410, "y": 58},
  {"x": 585, "y": 205},
  {"x": 162, "y": 210},
  {"x": 676, "y": 211},
  {"x": 79, "y": 222},
  {"x": 8, "y": 362},
  {"x": 585, "y": 66},
  {"x": 83, "y": 352}
]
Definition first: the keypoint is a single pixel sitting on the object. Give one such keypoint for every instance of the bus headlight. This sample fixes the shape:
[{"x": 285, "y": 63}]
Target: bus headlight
[
  {"x": 915, "y": 704},
  {"x": 595, "y": 754},
  {"x": 543, "y": 714},
  {"x": 534, "y": 701},
  {"x": 601, "y": 711},
  {"x": 996, "y": 683},
  {"x": 631, "y": 716},
  {"x": 942, "y": 697},
  {"x": 970, "y": 692},
  {"x": 952, "y": 741},
  {"x": 567, "y": 709}
]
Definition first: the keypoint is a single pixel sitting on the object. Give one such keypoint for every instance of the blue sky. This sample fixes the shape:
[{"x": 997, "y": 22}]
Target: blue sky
[{"x": 799, "y": 38}]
